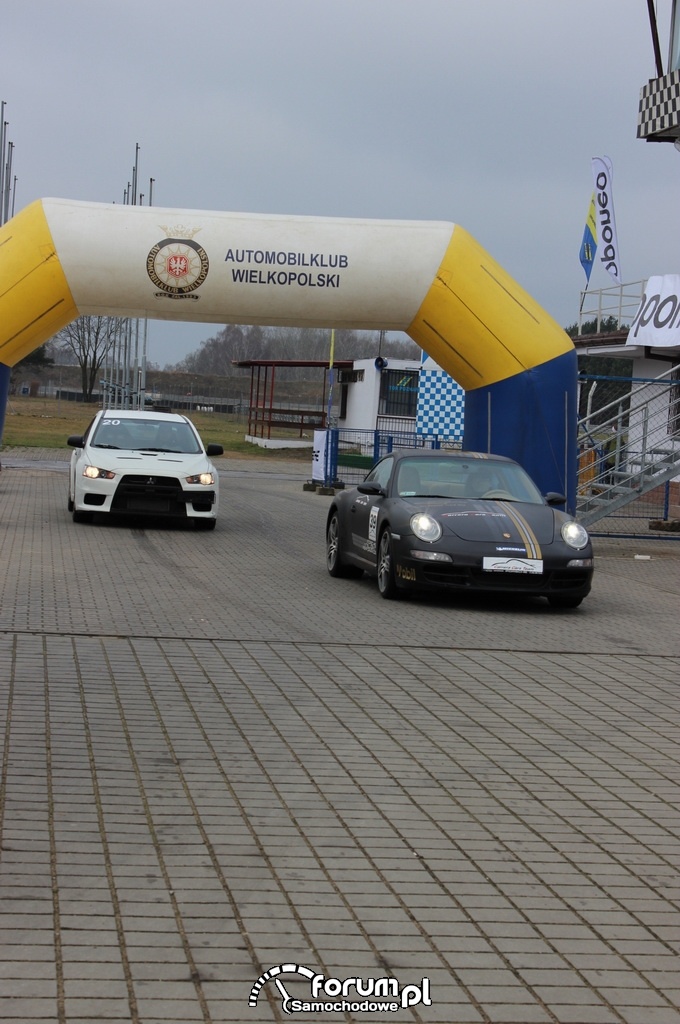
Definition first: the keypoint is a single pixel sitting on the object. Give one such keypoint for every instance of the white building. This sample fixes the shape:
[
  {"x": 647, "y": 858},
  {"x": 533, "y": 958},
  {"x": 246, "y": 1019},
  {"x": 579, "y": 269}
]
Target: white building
[{"x": 400, "y": 395}]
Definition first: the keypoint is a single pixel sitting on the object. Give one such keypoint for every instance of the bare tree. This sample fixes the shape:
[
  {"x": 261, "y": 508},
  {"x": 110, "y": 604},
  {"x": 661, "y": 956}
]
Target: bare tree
[
  {"x": 237, "y": 342},
  {"x": 89, "y": 338}
]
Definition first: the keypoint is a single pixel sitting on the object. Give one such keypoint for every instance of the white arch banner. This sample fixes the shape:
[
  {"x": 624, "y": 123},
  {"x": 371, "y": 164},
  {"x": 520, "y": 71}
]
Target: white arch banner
[{"x": 60, "y": 259}]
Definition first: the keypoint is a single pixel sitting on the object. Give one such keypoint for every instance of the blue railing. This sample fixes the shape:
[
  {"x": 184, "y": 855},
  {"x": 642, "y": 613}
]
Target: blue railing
[{"x": 351, "y": 453}]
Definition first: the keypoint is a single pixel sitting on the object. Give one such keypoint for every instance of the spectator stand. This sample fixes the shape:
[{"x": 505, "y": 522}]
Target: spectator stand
[{"x": 266, "y": 412}]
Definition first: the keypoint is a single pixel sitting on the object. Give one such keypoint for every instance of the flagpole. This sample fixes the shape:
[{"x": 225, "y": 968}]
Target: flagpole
[
  {"x": 588, "y": 247},
  {"x": 326, "y": 471}
]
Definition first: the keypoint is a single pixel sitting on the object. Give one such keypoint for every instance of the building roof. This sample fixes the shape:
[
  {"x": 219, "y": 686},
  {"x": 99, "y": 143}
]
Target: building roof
[{"x": 613, "y": 343}]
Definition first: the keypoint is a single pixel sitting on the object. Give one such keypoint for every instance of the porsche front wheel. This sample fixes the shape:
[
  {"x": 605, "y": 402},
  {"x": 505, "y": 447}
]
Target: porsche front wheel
[
  {"x": 335, "y": 563},
  {"x": 386, "y": 579}
]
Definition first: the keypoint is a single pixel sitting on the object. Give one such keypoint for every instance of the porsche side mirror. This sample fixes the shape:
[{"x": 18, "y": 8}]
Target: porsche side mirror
[{"x": 370, "y": 487}]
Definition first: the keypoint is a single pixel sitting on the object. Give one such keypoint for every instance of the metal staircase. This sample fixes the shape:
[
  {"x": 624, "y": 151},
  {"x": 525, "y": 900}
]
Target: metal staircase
[{"x": 629, "y": 447}]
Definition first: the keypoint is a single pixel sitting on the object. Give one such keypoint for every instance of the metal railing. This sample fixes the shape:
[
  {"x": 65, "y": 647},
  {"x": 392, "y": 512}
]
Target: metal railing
[
  {"x": 351, "y": 453},
  {"x": 619, "y": 302},
  {"x": 629, "y": 448}
]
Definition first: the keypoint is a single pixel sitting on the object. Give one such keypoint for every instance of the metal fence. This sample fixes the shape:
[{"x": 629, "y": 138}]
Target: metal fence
[
  {"x": 629, "y": 438},
  {"x": 353, "y": 452},
  {"x": 235, "y": 403},
  {"x": 618, "y": 303}
]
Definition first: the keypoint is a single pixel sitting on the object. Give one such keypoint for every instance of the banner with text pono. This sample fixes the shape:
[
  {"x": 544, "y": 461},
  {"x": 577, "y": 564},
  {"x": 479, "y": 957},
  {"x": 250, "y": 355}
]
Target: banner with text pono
[{"x": 657, "y": 321}]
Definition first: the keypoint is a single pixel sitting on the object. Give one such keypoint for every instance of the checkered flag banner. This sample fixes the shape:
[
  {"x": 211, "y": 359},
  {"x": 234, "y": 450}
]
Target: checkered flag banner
[
  {"x": 441, "y": 405},
  {"x": 659, "y": 108}
]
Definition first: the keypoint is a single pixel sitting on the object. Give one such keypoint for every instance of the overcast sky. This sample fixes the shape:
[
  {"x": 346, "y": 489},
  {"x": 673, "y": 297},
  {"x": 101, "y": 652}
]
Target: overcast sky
[{"x": 482, "y": 112}]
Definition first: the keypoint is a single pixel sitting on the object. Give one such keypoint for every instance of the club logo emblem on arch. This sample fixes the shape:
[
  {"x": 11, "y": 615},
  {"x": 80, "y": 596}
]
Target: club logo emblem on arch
[{"x": 177, "y": 265}]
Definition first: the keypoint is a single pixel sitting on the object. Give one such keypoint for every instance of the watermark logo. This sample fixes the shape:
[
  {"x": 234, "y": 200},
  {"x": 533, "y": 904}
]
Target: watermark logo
[{"x": 336, "y": 995}]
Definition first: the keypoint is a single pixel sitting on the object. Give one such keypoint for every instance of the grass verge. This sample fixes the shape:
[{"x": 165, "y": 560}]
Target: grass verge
[{"x": 48, "y": 422}]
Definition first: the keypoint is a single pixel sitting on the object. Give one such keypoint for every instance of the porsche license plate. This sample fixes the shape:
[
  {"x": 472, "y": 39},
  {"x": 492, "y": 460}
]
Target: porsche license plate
[{"x": 492, "y": 564}]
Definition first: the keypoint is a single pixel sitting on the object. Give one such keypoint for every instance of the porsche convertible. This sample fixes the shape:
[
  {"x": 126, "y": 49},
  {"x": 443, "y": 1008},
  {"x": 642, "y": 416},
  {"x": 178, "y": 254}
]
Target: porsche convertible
[{"x": 458, "y": 521}]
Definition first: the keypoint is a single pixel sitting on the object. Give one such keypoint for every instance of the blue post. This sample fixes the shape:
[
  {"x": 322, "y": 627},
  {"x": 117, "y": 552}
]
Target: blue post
[{"x": 5, "y": 372}]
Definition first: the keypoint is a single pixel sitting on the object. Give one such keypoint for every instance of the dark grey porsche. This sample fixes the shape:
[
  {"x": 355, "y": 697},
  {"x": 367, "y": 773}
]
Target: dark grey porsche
[{"x": 458, "y": 521}]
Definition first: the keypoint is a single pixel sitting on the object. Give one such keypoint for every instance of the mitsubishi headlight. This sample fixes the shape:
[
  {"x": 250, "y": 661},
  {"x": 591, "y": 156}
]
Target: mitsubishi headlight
[
  {"x": 425, "y": 527},
  {"x": 94, "y": 473},
  {"x": 206, "y": 479},
  {"x": 575, "y": 535}
]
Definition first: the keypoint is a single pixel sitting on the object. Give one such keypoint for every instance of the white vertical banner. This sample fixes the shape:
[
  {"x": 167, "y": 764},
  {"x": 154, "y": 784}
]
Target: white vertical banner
[
  {"x": 319, "y": 455},
  {"x": 657, "y": 321},
  {"x": 606, "y": 223}
]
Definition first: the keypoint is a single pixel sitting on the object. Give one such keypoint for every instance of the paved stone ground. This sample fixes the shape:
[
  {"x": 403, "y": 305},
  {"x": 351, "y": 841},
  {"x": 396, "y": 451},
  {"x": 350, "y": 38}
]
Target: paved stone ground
[{"x": 217, "y": 760}]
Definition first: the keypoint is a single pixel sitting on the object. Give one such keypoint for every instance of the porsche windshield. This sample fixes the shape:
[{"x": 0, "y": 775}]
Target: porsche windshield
[{"x": 466, "y": 478}]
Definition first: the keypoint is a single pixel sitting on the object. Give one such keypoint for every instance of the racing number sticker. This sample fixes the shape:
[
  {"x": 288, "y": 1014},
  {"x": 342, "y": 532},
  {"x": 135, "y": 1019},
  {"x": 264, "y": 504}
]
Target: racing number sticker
[{"x": 373, "y": 523}]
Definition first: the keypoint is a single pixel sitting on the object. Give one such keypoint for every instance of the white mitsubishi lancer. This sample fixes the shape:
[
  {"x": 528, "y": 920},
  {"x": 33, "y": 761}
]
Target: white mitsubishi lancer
[{"x": 144, "y": 464}]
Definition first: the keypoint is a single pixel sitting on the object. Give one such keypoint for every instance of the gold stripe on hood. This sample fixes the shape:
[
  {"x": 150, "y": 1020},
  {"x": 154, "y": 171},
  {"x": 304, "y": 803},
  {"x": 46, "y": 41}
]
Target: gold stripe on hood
[{"x": 524, "y": 529}]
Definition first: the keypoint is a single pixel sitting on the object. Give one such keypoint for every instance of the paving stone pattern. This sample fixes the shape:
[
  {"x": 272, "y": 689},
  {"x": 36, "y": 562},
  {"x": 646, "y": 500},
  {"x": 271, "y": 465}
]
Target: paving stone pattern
[{"x": 218, "y": 760}]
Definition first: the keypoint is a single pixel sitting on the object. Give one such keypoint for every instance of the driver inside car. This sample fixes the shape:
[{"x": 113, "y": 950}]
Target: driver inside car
[{"x": 480, "y": 481}]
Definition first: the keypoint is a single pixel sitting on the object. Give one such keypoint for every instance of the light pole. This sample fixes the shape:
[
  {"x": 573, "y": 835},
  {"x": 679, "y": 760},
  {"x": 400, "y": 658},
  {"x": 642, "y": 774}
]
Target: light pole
[
  {"x": 129, "y": 357},
  {"x": 6, "y": 180}
]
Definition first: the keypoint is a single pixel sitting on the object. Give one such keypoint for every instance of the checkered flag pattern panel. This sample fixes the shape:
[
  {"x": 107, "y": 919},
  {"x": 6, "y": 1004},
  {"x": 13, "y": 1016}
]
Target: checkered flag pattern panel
[
  {"x": 441, "y": 405},
  {"x": 659, "y": 109}
]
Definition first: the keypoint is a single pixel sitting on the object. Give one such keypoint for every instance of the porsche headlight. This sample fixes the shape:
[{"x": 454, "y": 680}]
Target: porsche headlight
[
  {"x": 94, "y": 473},
  {"x": 575, "y": 535},
  {"x": 425, "y": 527},
  {"x": 207, "y": 479}
]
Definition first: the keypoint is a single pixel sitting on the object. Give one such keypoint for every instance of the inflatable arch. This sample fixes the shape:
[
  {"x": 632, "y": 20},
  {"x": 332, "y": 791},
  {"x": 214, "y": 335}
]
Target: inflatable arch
[{"x": 60, "y": 259}]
